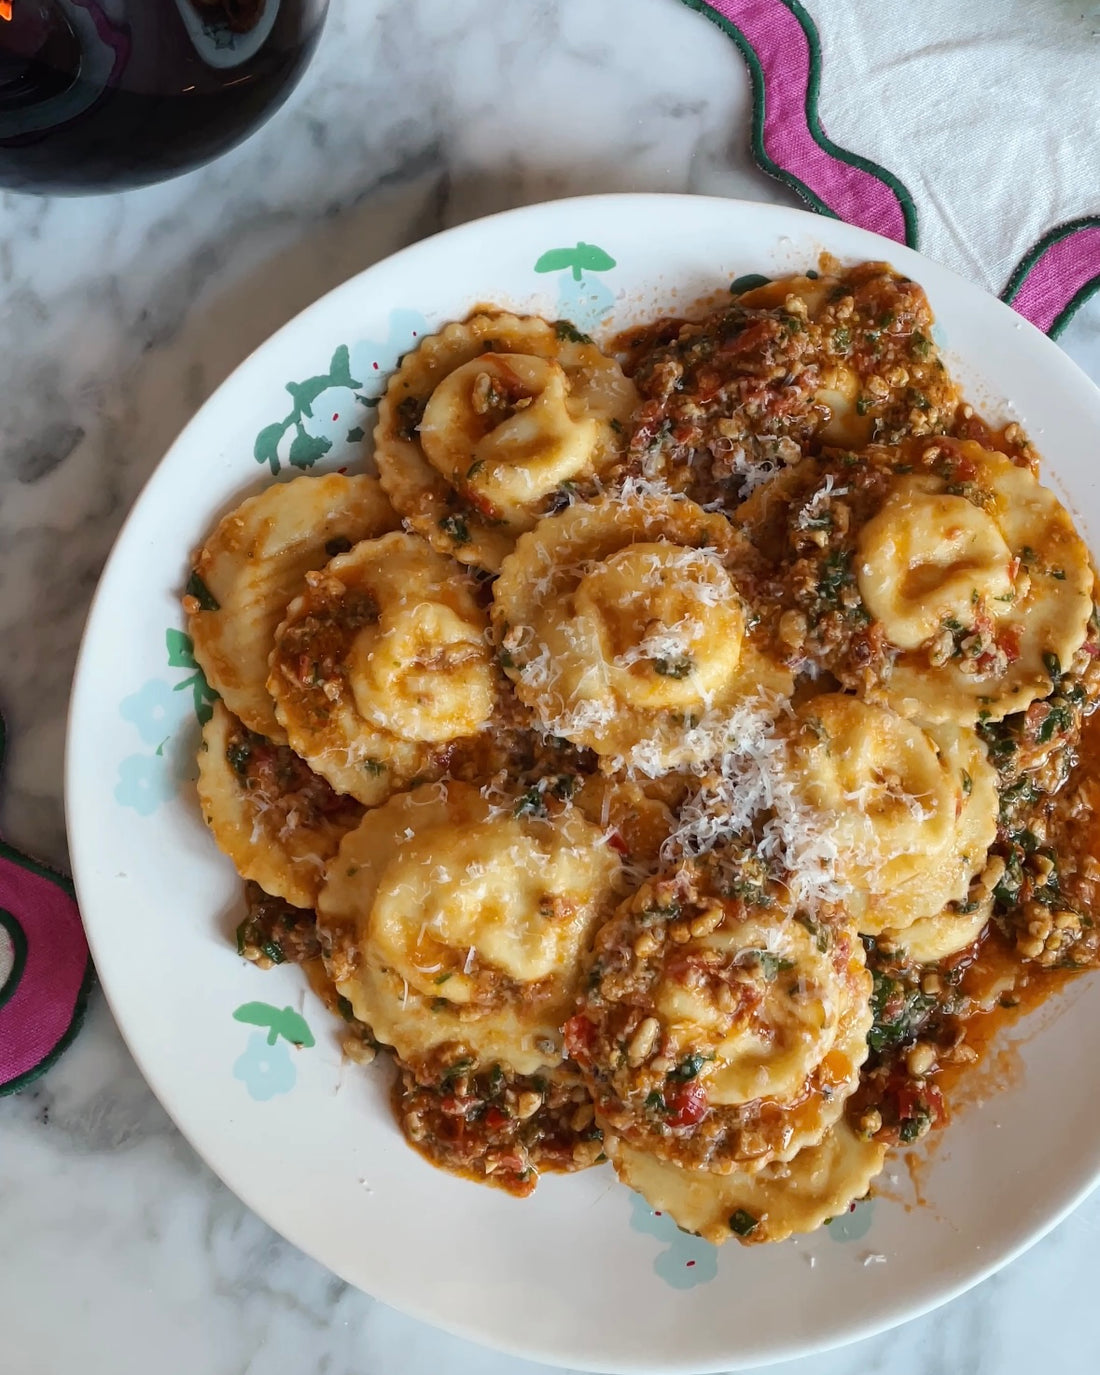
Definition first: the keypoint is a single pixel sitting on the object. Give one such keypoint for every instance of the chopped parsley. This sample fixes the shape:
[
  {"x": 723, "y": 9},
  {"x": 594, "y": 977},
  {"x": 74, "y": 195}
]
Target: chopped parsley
[
  {"x": 457, "y": 528},
  {"x": 198, "y": 589},
  {"x": 899, "y": 1009},
  {"x": 743, "y": 1223},
  {"x": 530, "y": 804},
  {"x": 678, "y": 666},
  {"x": 688, "y": 1067},
  {"x": 565, "y": 329}
]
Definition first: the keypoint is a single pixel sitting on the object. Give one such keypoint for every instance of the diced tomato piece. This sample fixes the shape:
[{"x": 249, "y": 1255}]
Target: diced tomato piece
[
  {"x": 579, "y": 1034},
  {"x": 617, "y": 843},
  {"x": 686, "y": 1104},
  {"x": 495, "y": 1119}
]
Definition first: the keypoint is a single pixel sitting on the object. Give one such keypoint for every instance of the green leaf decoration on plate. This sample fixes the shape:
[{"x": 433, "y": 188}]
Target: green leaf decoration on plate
[
  {"x": 284, "y": 1022},
  {"x": 181, "y": 654},
  {"x": 305, "y": 449},
  {"x": 585, "y": 257}
]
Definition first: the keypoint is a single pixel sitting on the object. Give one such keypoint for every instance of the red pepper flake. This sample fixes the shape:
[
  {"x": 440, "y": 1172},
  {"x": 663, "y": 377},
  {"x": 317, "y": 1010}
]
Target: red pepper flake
[
  {"x": 617, "y": 843},
  {"x": 374, "y": 366},
  {"x": 336, "y": 416},
  {"x": 689, "y": 1263}
]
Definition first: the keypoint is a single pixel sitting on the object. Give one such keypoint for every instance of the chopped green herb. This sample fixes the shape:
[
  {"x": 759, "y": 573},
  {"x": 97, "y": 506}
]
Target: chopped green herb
[
  {"x": 688, "y": 1068},
  {"x": 655, "y": 1101},
  {"x": 345, "y": 1009},
  {"x": 274, "y": 952},
  {"x": 749, "y": 282},
  {"x": 678, "y": 667},
  {"x": 505, "y": 659},
  {"x": 842, "y": 339},
  {"x": 564, "y": 786},
  {"x": 743, "y": 1223},
  {"x": 967, "y": 782},
  {"x": 457, "y": 528},
  {"x": 770, "y": 964},
  {"x": 565, "y": 329},
  {"x": 650, "y": 915},
  {"x": 442, "y": 978},
  {"x": 530, "y": 804},
  {"x": 1053, "y": 666},
  {"x": 475, "y": 468},
  {"x": 374, "y": 767},
  {"x": 919, "y": 345},
  {"x": 198, "y": 589},
  {"x": 915, "y": 1126},
  {"x": 237, "y": 756}
]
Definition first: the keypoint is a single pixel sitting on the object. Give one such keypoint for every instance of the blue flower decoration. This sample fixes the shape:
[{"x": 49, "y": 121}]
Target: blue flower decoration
[
  {"x": 144, "y": 782},
  {"x": 265, "y": 1070},
  {"x": 854, "y": 1224},
  {"x": 687, "y": 1260},
  {"x": 155, "y": 709},
  {"x": 374, "y": 359},
  {"x": 586, "y": 302}
]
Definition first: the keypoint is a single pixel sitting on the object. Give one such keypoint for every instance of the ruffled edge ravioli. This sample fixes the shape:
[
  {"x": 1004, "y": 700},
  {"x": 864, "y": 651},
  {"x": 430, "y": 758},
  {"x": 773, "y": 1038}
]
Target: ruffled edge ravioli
[
  {"x": 622, "y": 623},
  {"x": 380, "y": 663},
  {"x": 441, "y": 902},
  {"x": 717, "y": 1033},
  {"x": 914, "y": 811},
  {"x": 462, "y": 520},
  {"x": 287, "y": 862},
  {"x": 251, "y": 565},
  {"x": 1040, "y": 601},
  {"x": 771, "y": 1205}
]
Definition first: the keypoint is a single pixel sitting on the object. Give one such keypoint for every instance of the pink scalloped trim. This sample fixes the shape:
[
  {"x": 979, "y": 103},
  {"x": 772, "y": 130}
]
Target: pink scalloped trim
[
  {"x": 1063, "y": 270},
  {"x": 39, "y": 1013},
  {"x": 782, "y": 48}
]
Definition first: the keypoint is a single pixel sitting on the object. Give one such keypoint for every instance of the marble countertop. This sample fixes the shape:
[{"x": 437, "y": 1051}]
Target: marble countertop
[{"x": 121, "y": 1252}]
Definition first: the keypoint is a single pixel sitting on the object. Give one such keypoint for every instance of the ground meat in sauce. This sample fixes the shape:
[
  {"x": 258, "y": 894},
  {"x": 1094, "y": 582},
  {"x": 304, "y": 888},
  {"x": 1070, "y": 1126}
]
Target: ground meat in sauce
[
  {"x": 742, "y": 393},
  {"x": 495, "y": 1126},
  {"x": 273, "y": 932},
  {"x": 286, "y": 783}
]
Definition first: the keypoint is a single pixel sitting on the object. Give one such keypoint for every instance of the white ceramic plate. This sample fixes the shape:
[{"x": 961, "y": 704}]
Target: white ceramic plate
[{"x": 582, "y": 1274}]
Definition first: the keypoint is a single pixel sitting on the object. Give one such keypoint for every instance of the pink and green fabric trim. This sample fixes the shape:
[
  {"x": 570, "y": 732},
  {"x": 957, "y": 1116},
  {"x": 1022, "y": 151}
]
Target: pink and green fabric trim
[{"x": 781, "y": 47}]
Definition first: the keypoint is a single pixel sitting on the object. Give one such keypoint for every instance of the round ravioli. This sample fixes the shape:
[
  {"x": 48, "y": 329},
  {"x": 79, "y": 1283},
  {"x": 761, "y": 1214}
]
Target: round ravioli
[
  {"x": 623, "y": 622},
  {"x": 976, "y": 575},
  {"x": 454, "y": 920},
  {"x": 769, "y": 1205},
  {"x": 912, "y": 815},
  {"x": 721, "y": 1032},
  {"x": 938, "y": 578},
  {"x": 380, "y": 664},
  {"x": 251, "y": 566},
  {"x": 269, "y": 812},
  {"x": 492, "y": 423}
]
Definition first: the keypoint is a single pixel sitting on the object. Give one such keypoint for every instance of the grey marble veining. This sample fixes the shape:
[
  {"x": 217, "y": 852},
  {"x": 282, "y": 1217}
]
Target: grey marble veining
[{"x": 120, "y": 1252}]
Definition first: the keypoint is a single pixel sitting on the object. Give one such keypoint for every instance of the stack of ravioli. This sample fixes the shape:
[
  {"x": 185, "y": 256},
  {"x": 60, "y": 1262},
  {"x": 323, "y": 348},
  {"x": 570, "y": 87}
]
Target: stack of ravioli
[{"x": 595, "y": 795}]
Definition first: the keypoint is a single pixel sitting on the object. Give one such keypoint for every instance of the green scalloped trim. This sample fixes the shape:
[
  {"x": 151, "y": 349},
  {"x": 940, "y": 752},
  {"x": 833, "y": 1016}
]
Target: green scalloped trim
[
  {"x": 1032, "y": 256},
  {"x": 813, "y": 122}
]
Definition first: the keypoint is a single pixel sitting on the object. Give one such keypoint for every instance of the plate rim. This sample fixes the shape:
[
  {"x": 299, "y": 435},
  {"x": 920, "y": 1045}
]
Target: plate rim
[{"x": 892, "y": 1314}]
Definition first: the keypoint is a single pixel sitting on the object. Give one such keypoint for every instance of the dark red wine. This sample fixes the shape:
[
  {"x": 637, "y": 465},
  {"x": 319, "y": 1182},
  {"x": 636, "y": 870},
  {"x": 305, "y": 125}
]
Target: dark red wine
[{"x": 98, "y": 95}]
